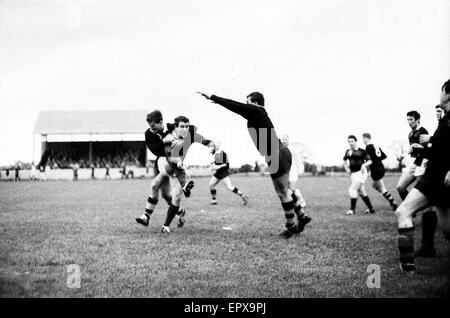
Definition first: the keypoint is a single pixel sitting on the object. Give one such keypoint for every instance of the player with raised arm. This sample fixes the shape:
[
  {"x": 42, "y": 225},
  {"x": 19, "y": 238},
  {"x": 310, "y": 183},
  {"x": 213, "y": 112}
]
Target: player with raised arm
[
  {"x": 356, "y": 161},
  {"x": 377, "y": 170},
  {"x": 277, "y": 156}
]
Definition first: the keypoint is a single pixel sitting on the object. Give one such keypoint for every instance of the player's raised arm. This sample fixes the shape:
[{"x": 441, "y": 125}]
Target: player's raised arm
[{"x": 236, "y": 107}]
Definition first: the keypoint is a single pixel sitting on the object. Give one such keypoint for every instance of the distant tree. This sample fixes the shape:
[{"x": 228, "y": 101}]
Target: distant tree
[
  {"x": 245, "y": 168},
  {"x": 257, "y": 168}
]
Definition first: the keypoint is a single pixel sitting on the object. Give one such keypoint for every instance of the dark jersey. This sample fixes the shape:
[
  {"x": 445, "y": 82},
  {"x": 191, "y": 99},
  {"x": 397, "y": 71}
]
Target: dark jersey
[
  {"x": 154, "y": 143},
  {"x": 414, "y": 138},
  {"x": 356, "y": 157},
  {"x": 221, "y": 158},
  {"x": 439, "y": 153},
  {"x": 259, "y": 125},
  {"x": 376, "y": 155}
]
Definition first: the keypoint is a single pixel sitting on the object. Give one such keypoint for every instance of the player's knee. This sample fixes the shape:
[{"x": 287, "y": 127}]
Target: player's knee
[
  {"x": 401, "y": 188},
  {"x": 230, "y": 187},
  {"x": 352, "y": 193}
]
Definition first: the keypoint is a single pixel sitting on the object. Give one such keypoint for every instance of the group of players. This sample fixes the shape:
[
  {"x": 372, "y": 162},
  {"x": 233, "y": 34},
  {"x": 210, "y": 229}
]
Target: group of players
[{"x": 428, "y": 163}]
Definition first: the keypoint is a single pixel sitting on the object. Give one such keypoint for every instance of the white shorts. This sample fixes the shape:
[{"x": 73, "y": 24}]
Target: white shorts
[
  {"x": 358, "y": 177},
  {"x": 293, "y": 174},
  {"x": 416, "y": 171}
]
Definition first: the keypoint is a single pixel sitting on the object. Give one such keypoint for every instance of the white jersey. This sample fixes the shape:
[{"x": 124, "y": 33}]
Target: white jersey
[{"x": 297, "y": 162}]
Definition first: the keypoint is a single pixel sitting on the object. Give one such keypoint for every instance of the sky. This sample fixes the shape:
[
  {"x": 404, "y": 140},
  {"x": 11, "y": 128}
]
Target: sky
[{"x": 327, "y": 68}]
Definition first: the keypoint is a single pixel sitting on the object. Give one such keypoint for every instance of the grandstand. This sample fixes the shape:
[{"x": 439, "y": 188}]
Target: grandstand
[{"x": 97, "y": 139}]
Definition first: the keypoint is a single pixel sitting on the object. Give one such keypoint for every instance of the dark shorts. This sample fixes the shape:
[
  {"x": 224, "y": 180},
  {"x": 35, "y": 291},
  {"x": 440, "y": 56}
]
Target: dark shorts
[
  {"x": 434, "y": 190},
  {"x": 284, "y": 164},
  {"x": 221, "y": 173},
  {"x": 377, "y": 173}
]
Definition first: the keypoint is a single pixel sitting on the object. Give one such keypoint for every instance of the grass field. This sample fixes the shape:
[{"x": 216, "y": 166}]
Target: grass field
[{"x": 46, "y": 226}]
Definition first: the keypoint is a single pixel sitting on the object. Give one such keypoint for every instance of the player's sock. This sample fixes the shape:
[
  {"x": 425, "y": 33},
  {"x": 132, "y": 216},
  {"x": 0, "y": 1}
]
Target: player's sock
[
  {"x": 429, "y": 223},
  {"x": 289, "y": 214},
  {"x": 236, "y": 190},
  {"x": 388, "y": 196},
  {"x": 353, "y": 203},
  {"x": 366, "y": 200},
  {"x": 171, "y": 212},
  {"x": 213, "y": 194},
  {"x": 403, "y": 194},
  {"x": 406, "y": 249},
  {"x": 150, "y": 206}
]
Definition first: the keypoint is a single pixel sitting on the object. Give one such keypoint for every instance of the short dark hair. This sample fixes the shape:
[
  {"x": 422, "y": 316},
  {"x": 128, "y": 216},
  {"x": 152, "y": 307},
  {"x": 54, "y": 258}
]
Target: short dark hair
[
  {"x": 257, "y": 98},
  {"x": 181, "y": 119},
  {"x": 446, "y": 87},
  {"x": 154, "y": 117},
  {"x": 352, "y": 137},
  {"x": 438, "y": 106},
  {"x": 367, "y": 135},
  {"x": 414, "y": 114}
]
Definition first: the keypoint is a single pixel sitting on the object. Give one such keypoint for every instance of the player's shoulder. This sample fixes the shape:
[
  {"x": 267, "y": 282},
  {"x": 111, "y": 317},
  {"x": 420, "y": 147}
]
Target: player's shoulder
[
  {"x": 423, "y": 130},
  {"x": 192, "y": 129}
]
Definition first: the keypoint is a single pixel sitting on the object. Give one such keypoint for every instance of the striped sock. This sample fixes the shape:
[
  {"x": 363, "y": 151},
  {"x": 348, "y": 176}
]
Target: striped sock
[
  {"x": 388, "y": 196},
  {"x": 289, "y": 214},
  {"x": 150, "y": 206},
  {"x": 406, "y": 248},
  {"x": 236, "y": 190}
]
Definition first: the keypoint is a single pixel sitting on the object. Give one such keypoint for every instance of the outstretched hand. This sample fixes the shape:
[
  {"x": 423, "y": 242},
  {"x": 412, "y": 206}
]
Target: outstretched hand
[{"x": 204, "y": 95}]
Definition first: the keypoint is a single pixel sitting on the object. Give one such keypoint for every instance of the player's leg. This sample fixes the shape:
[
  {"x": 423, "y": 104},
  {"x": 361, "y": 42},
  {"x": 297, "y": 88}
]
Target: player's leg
[
  {"x": 232, "y": 188},
  {"x": 406, "y": 179},
  {"x": 353, "y": 192},
  {"x": 152, "y": 199},
  {"x": 413, "y": 203},
  {"x": 429, "y": 225},
  {"x": 443, "y": 215},
  {"x": 174, "y": 207},
  {"x": 363, "y": 194},
  {"x": 285, "y": 195},
  {"x": 213, "y": 182},
  {"x": 297, "y": 196},
  {"x": 380, "y": 187}
]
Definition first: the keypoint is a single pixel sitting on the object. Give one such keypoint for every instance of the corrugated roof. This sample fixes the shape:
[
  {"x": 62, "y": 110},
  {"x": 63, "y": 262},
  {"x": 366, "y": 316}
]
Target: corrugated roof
[{"x": 91, "y": 122}]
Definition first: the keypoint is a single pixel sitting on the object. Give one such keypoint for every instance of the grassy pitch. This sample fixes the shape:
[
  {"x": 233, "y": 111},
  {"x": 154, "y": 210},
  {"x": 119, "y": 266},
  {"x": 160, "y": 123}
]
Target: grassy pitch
[{"x": 47, "y": 226}]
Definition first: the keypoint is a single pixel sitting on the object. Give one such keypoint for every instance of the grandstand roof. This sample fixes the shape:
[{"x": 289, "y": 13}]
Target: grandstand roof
[{"x": 91, "y": 122}]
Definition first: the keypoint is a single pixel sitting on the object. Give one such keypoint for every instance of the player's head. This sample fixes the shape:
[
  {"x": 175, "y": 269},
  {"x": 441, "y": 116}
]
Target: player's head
[
  {"x": 440, "y": 112},
  {"x": 255, "y": 98},
  {"x": 285, "y": 140},
  {"x": 352, "y": 141},
  {"x": 445, "y": 96},
  {"x": 155, "y": 121},
  {"x": 182, "y": 126},
  {"x": 366, "y": 138},
  {"x": 413, "y": 118}
]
